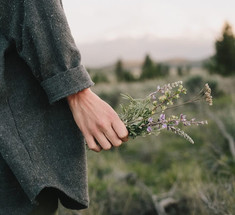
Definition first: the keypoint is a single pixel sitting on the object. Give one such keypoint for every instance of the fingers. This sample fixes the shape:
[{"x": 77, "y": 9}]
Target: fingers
[
  {"x": 120, "y": 129},
  {"x": 103, "y": 138},
  {"x": 112, "y": 137},
  {"x": 92, "y": 145},
  {"x": 103, "y": 141},
  {"x": 97, "y": 121}
]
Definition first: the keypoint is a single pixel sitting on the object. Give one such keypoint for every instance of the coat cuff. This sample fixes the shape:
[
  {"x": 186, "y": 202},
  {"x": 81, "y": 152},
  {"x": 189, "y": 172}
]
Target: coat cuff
[{"x": 66, "y": 83}]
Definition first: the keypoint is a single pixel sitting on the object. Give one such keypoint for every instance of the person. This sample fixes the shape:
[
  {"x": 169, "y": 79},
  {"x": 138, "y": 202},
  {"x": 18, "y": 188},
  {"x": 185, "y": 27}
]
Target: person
[{"x": 47, "y": 109}]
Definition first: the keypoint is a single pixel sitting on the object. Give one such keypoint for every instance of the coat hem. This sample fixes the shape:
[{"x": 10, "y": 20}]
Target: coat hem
[{"x": 68, "y": 200}]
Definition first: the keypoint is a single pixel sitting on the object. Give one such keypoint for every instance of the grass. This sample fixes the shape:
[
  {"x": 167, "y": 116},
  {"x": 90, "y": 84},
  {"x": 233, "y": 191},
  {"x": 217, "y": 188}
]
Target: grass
[{"x": 201, "y": 177}]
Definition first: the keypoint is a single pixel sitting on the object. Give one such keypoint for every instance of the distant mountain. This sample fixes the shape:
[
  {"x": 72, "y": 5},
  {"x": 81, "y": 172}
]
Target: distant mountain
[{"x": 179, "y": 50}]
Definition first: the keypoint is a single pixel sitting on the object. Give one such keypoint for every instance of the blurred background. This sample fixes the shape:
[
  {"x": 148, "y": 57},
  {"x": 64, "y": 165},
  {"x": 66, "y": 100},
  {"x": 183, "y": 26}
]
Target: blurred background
[{"x": 131, "y": 47}]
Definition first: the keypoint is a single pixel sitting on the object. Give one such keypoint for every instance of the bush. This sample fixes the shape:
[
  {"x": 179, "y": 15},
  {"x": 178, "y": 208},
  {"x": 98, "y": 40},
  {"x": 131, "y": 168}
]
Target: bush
[
  {"x": 215, "y": 91},
  {"x": 151, "y": 70},
  {"x": 194, "y": 84},
  {"x": 122, "y": 74},
  {"x": 112, "y": 98},
  {"x": 127, "y": 76},
  {"x": 100, "y": 78}
]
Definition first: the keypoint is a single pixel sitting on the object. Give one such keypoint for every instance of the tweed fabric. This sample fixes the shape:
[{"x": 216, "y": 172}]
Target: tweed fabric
[{"x": 40, "y": 144}]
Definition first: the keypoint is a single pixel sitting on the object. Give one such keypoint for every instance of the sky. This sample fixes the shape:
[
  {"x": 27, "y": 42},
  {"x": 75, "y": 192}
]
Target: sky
[{"x": 99, "y": 21}]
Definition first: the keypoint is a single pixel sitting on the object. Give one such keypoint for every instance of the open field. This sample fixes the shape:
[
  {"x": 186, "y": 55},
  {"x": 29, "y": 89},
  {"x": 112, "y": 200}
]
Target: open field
[{"x": 166, "y": 174}]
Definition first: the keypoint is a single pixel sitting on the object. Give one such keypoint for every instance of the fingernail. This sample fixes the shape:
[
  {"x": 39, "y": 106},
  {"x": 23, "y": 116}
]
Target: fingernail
[{"x": 125, "y": 139}]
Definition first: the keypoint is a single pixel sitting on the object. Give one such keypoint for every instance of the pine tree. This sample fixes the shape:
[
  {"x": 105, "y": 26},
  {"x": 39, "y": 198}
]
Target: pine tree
[
  {"x": 225, "y": 52},
  {"x": 122, "y": 74},
  {"x": 148, "y": 68},
  {"x": 223, "y": 62},
  {"x": 119, "y": 70}
]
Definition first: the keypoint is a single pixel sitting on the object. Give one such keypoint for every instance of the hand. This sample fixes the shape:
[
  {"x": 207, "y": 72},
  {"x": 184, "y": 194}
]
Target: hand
[{"x": 98, "y": 122}]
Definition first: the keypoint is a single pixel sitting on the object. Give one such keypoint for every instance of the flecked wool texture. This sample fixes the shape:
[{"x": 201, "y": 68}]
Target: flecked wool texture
[{"x": 40, "y": 143}]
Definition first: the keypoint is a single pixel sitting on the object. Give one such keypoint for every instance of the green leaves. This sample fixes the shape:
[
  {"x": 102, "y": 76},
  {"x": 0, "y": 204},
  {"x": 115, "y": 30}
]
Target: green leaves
[
  {"x": 135, "y": 115},
  {"x": 146, "y": 116}
]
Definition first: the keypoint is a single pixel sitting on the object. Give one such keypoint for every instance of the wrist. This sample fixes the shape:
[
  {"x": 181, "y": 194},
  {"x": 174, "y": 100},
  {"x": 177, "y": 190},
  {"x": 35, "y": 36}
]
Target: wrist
[{"x": 72, "y": 99}]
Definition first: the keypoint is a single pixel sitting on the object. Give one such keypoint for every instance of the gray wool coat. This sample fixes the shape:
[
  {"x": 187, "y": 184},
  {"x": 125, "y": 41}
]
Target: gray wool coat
[{"x": 40, "y": 144}]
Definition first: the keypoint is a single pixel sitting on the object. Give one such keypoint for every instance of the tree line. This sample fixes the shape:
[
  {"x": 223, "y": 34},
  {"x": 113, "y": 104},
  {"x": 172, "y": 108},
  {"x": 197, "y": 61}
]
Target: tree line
[
  {"x": 149, "y": 70},
  {"x": 222, "y": 62}
]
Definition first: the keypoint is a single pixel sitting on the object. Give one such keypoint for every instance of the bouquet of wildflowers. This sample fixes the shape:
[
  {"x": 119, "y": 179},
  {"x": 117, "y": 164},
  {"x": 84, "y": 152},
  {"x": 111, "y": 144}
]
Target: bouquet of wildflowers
[{"x": 147, "y": 115}]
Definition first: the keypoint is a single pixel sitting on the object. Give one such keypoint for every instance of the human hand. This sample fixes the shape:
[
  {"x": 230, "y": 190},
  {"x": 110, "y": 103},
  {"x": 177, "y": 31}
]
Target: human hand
[{"x": 98, "y": 122}]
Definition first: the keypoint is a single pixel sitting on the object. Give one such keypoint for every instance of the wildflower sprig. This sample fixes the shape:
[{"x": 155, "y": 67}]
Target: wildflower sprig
[{"x": 147, "y": 116}]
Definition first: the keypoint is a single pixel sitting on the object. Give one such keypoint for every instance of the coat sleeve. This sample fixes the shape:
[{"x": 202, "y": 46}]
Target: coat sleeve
[{"x": 47, "y": 46}]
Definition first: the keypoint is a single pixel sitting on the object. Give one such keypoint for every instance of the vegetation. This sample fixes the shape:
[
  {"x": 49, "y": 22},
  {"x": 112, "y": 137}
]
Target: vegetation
[
  {"x": 151, "y": 70},
  {"x": 99, "y": 78},
  {"x": 180, "y": 70},
  {"x": 166, "y": 175},
  {"x": 223, "y": 62},
  {"x": 122, "y": 74},
  {"x": 147, "y": 174}
]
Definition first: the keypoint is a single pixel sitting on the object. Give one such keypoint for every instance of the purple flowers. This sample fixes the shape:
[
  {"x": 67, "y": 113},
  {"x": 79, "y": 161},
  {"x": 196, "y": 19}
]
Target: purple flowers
[
  {"x": 163, "y": 121},
  {"x": 182, "y": 118},
  {"x": 162, "y": 117},
  {"x": 149, "y": 129},
  {"x": 147, "y": 116},
  {"x": 150, "y": 120},
  {"x": 153, "y": 97},
  {"x": 176, "y": 122}
]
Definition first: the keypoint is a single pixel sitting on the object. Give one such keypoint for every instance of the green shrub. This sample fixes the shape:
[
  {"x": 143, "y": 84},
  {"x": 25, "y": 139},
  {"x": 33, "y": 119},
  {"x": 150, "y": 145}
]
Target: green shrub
[
  {"x": 99, "y": 77},
  {"x": 112, "y": 98},
  {"x": 194, "y": 84},
  {"x": 123, "y": 74}
]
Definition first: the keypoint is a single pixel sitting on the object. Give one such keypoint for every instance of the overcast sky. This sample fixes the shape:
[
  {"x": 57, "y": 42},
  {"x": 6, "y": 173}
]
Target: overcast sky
[{"x": 108, "y": 20}]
